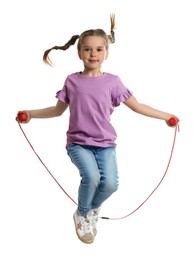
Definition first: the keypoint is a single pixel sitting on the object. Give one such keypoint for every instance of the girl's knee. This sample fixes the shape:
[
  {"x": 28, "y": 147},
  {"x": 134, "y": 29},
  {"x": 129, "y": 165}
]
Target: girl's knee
[
  {"x": 109, "y": 187},
  {"x": 114, "y": 187},
  {"x": 91, "y": 180}
]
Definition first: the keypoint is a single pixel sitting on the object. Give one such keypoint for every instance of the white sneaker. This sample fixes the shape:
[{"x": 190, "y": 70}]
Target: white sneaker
[
  {"x": 94, "y": 219},
  {"x": 83, "y": 228}
]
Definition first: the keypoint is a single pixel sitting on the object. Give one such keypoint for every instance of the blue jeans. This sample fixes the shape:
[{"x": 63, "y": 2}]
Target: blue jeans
[{"x": 99, "y": 174}]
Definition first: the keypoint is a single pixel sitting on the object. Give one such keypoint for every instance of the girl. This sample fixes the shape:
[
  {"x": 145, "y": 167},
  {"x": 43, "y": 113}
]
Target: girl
[{"x": 91, "y": 96}]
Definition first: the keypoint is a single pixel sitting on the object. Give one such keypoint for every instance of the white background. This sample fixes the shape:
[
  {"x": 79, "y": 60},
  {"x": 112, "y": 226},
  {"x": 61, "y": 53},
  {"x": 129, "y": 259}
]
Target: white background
[{"x": 154, "y": 56}]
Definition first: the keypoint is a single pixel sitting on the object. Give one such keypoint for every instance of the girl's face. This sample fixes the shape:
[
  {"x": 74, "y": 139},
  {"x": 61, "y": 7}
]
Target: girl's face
[{"x": 93, "y": 52}]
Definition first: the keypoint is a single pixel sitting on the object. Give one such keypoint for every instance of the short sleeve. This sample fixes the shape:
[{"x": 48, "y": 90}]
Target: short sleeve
[
  {"x": 122, "y": 97},
  {"x": 62, "y": 95},
  {"x": 120, "y": 93}
]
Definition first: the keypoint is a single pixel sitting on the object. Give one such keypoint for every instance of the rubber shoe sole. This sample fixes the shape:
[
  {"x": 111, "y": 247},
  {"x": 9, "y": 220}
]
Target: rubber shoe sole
[{"x": 88, "y": 238}]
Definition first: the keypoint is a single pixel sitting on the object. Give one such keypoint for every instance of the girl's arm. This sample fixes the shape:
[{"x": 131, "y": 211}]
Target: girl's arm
[
  {"x": 145, "y": 110},
  {"x": 48, "y": 112}
]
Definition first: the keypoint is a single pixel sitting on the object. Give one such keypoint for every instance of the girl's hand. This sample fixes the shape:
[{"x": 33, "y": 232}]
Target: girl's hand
[
  {"x": 23, "y": 117},
  {"x": 173, "y": 121}
]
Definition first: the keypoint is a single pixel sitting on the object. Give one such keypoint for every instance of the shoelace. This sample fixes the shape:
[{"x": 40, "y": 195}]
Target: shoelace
[
  {"x": 85, "y": 222},
  {"x": 94, "y": 218}
]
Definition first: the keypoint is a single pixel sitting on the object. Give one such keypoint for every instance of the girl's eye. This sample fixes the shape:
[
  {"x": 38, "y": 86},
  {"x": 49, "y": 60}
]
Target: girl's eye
[{"x": 100, "y": 49}]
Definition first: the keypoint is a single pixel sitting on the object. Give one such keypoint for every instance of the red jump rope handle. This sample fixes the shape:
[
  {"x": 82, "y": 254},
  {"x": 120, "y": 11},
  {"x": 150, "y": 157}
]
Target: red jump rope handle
[
  {"x": 22, "y": 116},
  {"x": 173, "y": 121}
]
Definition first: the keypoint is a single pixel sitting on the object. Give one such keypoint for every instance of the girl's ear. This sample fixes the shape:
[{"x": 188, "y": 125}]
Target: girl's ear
[
  {"x": 106, "y": 57},
  {"x": 79, "y": 54}
]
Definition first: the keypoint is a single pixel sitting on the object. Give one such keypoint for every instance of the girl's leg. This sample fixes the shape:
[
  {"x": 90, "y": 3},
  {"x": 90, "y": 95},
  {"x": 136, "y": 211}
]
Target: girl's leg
[
  {"x": 107, "y": 166},
  {"x": 84, "y": 159}
]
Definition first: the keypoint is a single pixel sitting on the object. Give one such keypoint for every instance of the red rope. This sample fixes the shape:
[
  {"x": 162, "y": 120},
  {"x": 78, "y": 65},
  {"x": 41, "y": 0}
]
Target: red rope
[
  {"x": 171, "y": 153},
  {"x": 118, "y": 218},
  {"x": 45, "y": 165}
]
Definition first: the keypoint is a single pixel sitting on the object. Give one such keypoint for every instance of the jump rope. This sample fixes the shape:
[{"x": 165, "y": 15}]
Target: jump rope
[{"x": 22, "y": 116}]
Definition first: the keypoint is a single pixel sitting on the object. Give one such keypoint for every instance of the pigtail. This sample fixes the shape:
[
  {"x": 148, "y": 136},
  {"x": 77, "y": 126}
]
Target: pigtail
[
  {"x": 72, "y": 41},
  {"x": 111, "y": 37}
]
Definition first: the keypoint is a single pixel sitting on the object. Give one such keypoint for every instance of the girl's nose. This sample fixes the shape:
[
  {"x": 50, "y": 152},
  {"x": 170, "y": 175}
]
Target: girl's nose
[{"x": 93, "y": 53}]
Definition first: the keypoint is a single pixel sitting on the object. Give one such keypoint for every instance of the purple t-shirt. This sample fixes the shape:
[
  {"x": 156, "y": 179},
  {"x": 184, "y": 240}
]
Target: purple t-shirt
[{"x": 91, "y": 102}]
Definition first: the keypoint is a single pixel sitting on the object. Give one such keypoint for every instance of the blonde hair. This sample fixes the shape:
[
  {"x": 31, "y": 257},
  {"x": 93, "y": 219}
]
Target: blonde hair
[{"x": 92, "y": 32}]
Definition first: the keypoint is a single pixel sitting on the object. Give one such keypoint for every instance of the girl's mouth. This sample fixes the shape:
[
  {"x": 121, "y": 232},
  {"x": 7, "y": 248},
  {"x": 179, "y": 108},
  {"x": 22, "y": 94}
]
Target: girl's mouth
[{"x": 92, "y": 61}]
